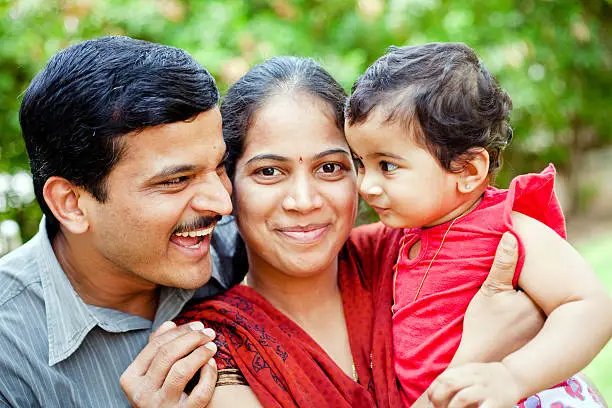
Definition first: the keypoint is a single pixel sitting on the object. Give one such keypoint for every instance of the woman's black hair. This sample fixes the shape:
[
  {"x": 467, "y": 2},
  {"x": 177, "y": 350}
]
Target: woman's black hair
[
  {"x": 275, "y": 76},
  {"x": 444, "y": 93}
]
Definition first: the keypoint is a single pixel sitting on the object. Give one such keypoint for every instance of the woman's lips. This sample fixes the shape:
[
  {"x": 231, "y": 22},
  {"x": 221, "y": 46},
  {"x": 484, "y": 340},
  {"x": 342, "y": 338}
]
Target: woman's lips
[{"x": 304, "y": 234}]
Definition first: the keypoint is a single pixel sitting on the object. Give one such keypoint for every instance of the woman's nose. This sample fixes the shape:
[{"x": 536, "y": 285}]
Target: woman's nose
[{"x": 303, "y": 195}]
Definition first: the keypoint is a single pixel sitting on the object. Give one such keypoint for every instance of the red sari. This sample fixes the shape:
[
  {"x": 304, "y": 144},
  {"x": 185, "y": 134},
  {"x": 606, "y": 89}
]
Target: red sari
[{"x": 283, "y": 365}]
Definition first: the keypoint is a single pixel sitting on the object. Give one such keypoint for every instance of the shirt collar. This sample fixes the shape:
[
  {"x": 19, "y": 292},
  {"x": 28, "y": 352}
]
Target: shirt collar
[
  {"x": 223, "y": 248},
  {"x": 70, "y": 320}
]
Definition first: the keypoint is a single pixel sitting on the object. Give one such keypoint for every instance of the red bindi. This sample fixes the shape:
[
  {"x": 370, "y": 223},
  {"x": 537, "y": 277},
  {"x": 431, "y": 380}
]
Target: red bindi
[{"x": 301, "y": 160}]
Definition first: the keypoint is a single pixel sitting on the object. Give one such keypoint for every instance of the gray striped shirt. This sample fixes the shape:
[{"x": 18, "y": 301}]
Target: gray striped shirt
[{"x": 57, "y": 351}]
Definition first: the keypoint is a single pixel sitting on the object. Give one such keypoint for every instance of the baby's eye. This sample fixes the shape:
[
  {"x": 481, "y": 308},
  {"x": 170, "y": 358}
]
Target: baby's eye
[
  {"x": 330, "y": 168},
  {"x": 386, "y": 166},
  {"x": 358, "y": 163},
  {"x": 268, "y": 172}
]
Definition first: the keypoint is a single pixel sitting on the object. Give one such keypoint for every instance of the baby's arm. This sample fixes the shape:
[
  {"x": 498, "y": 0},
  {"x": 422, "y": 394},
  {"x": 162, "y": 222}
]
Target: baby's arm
[
  {"x": 579, "y": 324},
  {"x": 578, "y": 307}
]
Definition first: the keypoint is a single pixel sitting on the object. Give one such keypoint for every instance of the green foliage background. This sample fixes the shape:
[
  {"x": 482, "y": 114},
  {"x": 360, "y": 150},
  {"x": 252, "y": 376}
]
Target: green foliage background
[{"x": 553, "y": 57}]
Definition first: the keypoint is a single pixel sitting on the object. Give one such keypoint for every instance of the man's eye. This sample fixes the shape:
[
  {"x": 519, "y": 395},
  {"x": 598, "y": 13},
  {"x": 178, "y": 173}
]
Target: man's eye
[
  {"x": 386, "y": 166},
  {"x": 268, "y": 172},
  {"x": 175, "y": 181}
]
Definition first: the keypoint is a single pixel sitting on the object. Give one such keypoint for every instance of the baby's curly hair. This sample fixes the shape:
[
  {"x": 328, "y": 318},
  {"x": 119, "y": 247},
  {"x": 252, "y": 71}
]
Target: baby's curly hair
[{"x": 444, "y": 93}]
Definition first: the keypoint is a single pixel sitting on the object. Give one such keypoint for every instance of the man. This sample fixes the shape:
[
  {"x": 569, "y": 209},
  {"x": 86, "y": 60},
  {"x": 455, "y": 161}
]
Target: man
[{"x": 125, "y": 146}]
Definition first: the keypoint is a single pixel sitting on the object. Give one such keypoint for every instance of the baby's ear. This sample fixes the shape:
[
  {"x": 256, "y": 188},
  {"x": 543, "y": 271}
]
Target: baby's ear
[{"x": 475, "y": 171}]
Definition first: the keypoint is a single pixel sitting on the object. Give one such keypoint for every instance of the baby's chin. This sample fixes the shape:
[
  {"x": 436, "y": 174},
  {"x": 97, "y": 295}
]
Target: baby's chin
[{"x": 393, "y": 220}]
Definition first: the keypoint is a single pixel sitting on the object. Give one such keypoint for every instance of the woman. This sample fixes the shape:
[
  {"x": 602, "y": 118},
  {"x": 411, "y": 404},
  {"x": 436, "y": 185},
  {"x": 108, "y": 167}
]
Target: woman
[{"x": 311, "y": 324}]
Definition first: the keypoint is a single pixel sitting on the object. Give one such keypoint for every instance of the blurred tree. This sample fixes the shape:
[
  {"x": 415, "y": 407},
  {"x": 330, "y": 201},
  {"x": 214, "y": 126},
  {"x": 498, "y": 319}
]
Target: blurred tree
[{"x": 553, "y": 57}]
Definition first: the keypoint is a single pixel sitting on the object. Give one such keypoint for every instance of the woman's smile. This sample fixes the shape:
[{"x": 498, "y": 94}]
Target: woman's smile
[{"x": 307, "y": 234}]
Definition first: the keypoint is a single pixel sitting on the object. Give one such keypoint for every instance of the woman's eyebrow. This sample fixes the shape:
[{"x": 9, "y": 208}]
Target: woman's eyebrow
[
  {"x": 331, "y": 151},
  {"x": 274, "y": 157}
]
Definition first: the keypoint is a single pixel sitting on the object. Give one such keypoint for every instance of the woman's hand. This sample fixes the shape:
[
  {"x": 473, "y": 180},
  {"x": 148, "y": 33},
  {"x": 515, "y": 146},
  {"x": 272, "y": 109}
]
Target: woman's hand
[{"x": 499, "y": 319}]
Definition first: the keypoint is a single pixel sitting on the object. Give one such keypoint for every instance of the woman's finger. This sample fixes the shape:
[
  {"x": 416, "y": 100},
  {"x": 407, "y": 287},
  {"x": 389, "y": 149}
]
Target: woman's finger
[{"x": 502, "y": 272}]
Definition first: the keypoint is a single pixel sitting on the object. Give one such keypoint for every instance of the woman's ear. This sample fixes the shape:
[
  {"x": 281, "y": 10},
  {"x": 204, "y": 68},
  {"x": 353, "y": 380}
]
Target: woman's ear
[
  {"x": 62, "y": 198},
  {"x": 475, "y": 171}
]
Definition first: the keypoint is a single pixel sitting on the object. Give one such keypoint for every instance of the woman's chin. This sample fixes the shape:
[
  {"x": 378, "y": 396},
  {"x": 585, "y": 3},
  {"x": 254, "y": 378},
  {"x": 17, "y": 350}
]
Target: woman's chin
[{"x": 308, "y": 265}]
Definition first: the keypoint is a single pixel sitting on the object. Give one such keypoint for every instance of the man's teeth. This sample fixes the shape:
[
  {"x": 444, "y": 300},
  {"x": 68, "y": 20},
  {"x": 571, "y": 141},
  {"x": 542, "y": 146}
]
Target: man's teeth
[{"x": 198, "y": 233}]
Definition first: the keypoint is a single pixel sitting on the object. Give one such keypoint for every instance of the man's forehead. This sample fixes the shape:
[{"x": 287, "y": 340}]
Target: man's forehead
[{"x": 195, "y": 142}]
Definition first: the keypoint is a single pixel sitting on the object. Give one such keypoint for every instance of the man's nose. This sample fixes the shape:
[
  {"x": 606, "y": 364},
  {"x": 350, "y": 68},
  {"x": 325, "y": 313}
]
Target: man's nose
[{"x": 213, "y": 195}]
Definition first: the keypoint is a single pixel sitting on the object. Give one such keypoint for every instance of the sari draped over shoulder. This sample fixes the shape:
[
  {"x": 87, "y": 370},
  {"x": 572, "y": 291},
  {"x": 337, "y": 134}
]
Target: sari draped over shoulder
[{"x": 283, "y": 365}]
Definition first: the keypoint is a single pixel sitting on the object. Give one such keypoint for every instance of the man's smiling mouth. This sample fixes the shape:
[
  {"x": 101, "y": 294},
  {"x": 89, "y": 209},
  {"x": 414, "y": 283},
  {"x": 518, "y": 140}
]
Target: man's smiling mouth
[
  {"x": 191, "y": 239},
  {"x": 197, "y": 233}
]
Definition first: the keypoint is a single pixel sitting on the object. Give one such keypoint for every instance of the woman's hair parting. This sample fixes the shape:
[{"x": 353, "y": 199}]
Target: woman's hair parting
[
  {"x": 279, "y": 75},
  {"x": 442, "y": 92}
]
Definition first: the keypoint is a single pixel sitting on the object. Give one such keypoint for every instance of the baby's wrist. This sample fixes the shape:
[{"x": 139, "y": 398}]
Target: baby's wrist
[{"x": 519, "y": 384}]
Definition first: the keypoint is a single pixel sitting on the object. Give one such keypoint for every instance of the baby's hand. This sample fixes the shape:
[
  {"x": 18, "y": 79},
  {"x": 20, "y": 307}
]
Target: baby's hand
[{"x": 483, "y": 385}]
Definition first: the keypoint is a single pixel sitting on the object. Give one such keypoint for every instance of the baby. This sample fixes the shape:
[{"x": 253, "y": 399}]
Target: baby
[{"x": 427, "y": 126}]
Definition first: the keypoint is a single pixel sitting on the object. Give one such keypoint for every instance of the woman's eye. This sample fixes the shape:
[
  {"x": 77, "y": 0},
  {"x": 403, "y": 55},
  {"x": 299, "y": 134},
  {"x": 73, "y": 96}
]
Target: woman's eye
[
  {"x": 330, "y": 168},
  {"x": 268, "y": 172},
  {"x": 386, "y": 166}
]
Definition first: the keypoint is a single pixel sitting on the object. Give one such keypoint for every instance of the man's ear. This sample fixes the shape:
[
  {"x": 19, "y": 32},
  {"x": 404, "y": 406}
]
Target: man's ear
[
  {"x": 475, "y": 171},
  {"x": 62, "y": 198}
]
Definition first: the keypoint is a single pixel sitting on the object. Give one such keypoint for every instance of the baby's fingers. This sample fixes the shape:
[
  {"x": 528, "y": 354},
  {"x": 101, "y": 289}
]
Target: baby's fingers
[
  {"x": 467, "y": 397},
  {"x": 446, "y": 386}
]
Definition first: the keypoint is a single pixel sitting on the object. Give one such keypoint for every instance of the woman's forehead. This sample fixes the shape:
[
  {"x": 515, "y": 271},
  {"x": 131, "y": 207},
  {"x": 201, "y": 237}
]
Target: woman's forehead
[{"x": 293, "y": 123}]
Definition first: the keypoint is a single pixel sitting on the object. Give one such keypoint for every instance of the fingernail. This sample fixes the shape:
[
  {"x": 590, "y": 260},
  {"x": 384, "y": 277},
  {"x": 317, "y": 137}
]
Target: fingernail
[
  {"x": 508, "y": 240},
  {"x": 212, "y": 363},
  {"x": 209, "y": 332},
  {"x": 167, "y": 325},
  {"x": 211, "y": 346},
  {"x": 196, "y": 325}
]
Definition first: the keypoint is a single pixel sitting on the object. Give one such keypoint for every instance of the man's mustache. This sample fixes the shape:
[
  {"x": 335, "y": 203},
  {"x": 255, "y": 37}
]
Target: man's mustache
[{"x": 197, "y": 224}]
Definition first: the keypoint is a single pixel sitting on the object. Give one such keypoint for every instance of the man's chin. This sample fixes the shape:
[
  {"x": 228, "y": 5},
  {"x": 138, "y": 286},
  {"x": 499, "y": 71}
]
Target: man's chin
[
  {"x": 189, "y": 275},
  {"x": 191, "y": 284}
]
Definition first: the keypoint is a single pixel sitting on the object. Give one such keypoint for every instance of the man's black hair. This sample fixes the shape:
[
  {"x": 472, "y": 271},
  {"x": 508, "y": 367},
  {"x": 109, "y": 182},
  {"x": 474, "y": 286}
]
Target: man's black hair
[{"x": 76, "y": 109}]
